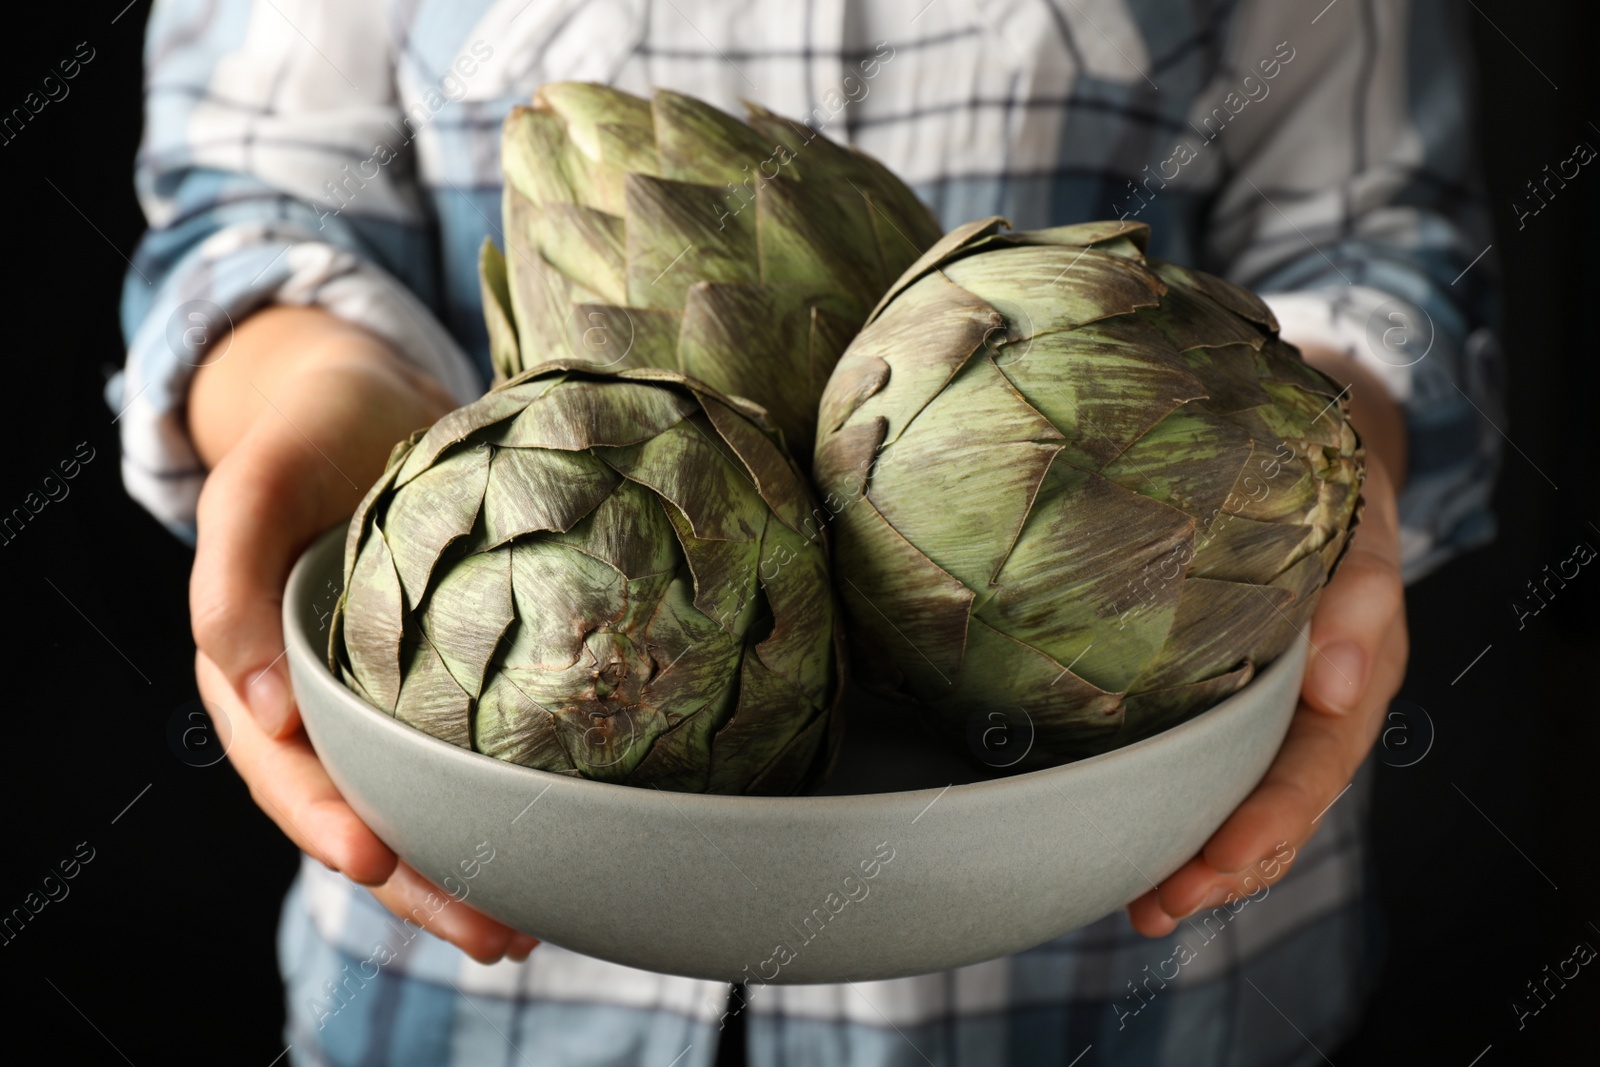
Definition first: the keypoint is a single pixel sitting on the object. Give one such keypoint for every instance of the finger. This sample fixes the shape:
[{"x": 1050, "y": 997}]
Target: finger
[
  {"x": 1148, "y": 917},
  {"x": 521, "y": 947},
  {"x": 411, "y": 896},
  {"x": 1318, "y": 759},
  {"x": 255, "y": 515},
  {"x": 1353, "y": 615},
  {"x": 288, "y": 782}
]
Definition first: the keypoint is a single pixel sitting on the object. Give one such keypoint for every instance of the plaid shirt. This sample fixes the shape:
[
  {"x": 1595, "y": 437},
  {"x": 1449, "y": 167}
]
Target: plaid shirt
[{"x": 345, "y": 155}]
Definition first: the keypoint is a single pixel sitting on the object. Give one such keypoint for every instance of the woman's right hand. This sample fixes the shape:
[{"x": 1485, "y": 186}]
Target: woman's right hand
[{"x": 294, "y": 421}]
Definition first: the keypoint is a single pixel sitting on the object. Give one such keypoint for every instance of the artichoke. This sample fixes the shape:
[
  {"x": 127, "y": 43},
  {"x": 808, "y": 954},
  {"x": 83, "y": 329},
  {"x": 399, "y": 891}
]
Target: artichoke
[
  {"x": 1070, "y": 479},
  {"x": 598, "y": 575},
  {"x": 665, "y": 233}
]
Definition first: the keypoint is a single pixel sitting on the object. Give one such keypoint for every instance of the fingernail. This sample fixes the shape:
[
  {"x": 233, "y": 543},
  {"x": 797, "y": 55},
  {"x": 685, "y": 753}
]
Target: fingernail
[
  {"x": 1217, "y": 895},
  {"x": 267, "y": 694},
  {"x": 521, "y": 947},
  {"x": 1339, "y": 676}
]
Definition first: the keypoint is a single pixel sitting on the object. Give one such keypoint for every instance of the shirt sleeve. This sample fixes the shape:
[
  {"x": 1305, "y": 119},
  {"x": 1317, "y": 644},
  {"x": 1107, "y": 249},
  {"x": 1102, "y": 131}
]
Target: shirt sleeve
[
  {"x": 267, "y": 178},
  {"x": 1352, "y": 199}
]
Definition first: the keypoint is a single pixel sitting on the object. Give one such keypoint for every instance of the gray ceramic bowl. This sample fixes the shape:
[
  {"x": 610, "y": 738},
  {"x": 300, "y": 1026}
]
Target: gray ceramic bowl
[{"x": 870, "y": 884}]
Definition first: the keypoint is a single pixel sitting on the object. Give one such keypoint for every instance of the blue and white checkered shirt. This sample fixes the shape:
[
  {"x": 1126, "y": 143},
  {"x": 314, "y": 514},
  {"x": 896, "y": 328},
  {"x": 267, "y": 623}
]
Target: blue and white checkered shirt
[{"x": 346, "y": 155}]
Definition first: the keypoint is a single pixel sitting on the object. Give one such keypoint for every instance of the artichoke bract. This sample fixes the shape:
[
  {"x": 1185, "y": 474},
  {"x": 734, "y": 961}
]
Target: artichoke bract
[
  {"x": 576, "y": 573},
  {"x": 1067, "y": 479},
  {"x": 666, "y": 233}
]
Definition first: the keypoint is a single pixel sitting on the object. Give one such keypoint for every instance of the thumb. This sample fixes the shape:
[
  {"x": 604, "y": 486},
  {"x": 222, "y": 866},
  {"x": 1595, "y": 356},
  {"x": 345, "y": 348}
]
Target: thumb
[
  {"x": 260, "y": 507},
  {"x": 1358, "y": 605}
]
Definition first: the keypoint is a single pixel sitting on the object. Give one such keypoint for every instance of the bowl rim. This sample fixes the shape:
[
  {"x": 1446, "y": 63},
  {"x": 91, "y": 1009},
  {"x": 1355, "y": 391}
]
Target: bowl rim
[{"x": 301, "y": 651}]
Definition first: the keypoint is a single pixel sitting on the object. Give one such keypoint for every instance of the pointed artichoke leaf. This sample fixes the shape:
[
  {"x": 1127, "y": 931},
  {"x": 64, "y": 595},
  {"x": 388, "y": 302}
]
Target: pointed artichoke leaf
[
  {"x": 1190, "y": 460},
  {"x": 495, "y": 292},
  {"x": 857, "y": 379},
  {"x": 1297, "y": 414},
  {"x": 1215, "y": 622},
  {"x": 958, "y": 482},
  {"x": 699, "y": 143},
  {"x": 697, "y": 471},
  {"x": 808, "y": 155},
  {"x": 775, "y": 477},
  {"x": 791, "y": 144},
  {"x": 830, "y": 335},
  {"x": 615, "y": 338},
  {"x": 770, "y": 714},
  {"x": 1190, "y": 319},
  {"x": 1054, "y": 700},
  {"x": 1067, "y": 588},
  {"x": 561, "y": 595},
  {"x": 1304, "y": 582},
  {"x": 754, "y": 341},
  {"x": 537, "y": 158},
  {"x": 902, "y": 225},
  {"x": 1282, "y": 484},
  {"x": 577, "y": 414},
  {"x": 1231, "y": 548},
  {"x": 374, "y": 622},
  {"x": 1044, "y": 289},
  {"x": 510, "y": 726},
  {"x": 1291, "y": 497},
  {"x": 680, "y": 758},
  {"x": 845, "y": 463},
  {"x": 799, "y": 763},
  {"x": 501, "y": 404},
  {"x": 1232, "y": 380},
  {"x": 1279, "y": 361},
  {"x": 946, "y": 248},
  {"x": 467, "y": 611},
  {"x": 1237, "y": 299},
  {"x": 432, "y": 510},
  {"x": 360, "y": 523},
  {"x": 696, "y": 660},
  {"x": 541, "y": 296},
  {"x": 1304, "y": 579},
  {"x": 809, "y": 235},
  {"x": 921, "y": 608},
  {"x": 545, "y": 164},
  {"x": 1100, "y": 392},
  {"x": 680, "y": 234},
  {"x": 926, "y": 337},
  {"x": 1098, "y": 234},
  {"x": 627, "y": 530},
  {"x": 724, "y": 574},
  {"x": 794, "y": 578},
  {"x": 592, "y": 114},
  {"x": 534, "y": 489},
  {"x": 585, "y": 245},
  {"x": 430, "y": 699},
  {"x": 1147, "y": 714}
]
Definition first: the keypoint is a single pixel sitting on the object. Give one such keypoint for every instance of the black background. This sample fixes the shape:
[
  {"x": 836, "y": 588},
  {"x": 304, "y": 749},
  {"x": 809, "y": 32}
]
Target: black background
[{"x": 163, "y": 952}]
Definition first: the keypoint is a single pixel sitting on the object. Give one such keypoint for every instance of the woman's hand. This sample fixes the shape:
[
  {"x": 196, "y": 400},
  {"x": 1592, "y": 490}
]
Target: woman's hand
[
  {"x": 1358, "y": 660},
  {"x": 294, "y": 422}
]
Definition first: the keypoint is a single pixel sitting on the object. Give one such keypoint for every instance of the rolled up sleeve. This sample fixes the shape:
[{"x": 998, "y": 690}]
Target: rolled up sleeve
[
  {"x": 1353, "y": 202},
  {"x": 273, "y": 170}
]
